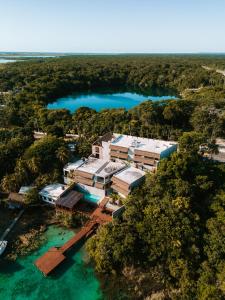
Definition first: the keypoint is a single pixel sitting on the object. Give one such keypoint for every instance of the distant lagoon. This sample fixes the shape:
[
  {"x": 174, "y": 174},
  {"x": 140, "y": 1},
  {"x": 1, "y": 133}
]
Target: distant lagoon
[
  {"x": 5, "y": 61},
  {"x": 100, "y": 101},
  {"x": 16, "y": 58}
]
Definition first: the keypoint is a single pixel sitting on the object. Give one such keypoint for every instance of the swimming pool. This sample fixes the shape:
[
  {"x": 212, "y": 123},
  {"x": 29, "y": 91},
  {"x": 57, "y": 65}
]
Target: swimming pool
[{"x": 88, "y": 196}]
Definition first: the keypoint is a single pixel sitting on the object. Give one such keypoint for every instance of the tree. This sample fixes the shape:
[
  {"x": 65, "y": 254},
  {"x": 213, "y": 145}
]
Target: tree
[
  {"x": 31, "y": 197},
  {"x": 190, "y": 142},
  {"x": 10, "y": 183},
  {"x": 63, "y": 154}
]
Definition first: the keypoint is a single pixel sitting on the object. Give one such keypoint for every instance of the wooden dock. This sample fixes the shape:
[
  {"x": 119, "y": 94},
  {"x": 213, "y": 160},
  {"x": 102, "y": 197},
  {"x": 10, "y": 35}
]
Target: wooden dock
[{"x": 55, "y": 256}]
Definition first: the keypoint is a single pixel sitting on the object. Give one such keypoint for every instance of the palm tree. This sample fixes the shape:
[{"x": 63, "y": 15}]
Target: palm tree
[
  {"x": 62, "y": 154},
  {"x": 21, "y": 171},
  {"x": 10, "y": 183},
  {"x": 34, "y": 165}
]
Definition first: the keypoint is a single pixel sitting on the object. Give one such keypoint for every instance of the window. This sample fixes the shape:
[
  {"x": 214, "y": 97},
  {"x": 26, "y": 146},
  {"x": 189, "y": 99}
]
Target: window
[
  {"x": 97, "y": 149},
  {"x": 100, "y": 179}
]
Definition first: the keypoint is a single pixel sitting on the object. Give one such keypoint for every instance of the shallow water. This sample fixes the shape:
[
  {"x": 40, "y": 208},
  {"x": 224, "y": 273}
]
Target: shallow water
[
  {"x": 73, "y": 280},
  {"x": 99, "y": 101}
]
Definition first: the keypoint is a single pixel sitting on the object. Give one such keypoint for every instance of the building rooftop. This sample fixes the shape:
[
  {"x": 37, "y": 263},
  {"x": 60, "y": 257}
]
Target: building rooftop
[
  {"x": 74, "y": 165},
  {"x": 69, "y": 200},
  {"x": 221, "y": 145},
  {"x": 92, "y": 165},
  {"x": 110, "y": 168},
  {"x": 130, "y": 175},
  {"x": 144, "y": 144},
  {"x": 54, "y": 190},
  {"x": 25, "y": 189}
]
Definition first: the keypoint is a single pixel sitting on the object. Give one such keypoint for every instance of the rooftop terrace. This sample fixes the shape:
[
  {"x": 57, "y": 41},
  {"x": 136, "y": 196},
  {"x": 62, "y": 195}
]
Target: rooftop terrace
[
  {"x": 110, "y": 168},
  {"x": 130, "y": 175},
  {"x": 92, "y": 165},
  {"x": 74, "y": 165},
  {"x": 95, "y": 166},
  {"x": 144, "y": 144}
]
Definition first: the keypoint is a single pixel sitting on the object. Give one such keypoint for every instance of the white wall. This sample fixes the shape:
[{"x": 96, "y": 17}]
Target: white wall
[
  {"x": 48, "y": 200},
  {"x": 105, "y": 150},
  {"x": 68, "y": 180}
]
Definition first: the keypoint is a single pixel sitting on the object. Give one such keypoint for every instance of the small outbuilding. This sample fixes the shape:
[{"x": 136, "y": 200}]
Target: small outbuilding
[
  {"x": 51, "y": 193},
  {"x": 69, "y": 200},
  {"x": 15, "y": 200}
]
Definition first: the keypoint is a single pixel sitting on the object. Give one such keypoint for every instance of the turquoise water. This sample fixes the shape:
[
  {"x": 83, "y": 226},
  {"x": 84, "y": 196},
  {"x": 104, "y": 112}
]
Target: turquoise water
[
  {"x": 99, "y": 101},
  {"x": 73, "y": 280},
  {"x": 87, "y": 196}
]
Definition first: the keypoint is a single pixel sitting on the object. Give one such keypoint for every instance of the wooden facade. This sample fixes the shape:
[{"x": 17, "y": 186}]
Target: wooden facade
[
  {"x": 117, "y": 154},
  {"x": 124, "y": 185},
  {"x": 144, "y": 160},
  {"x": 100, "y": 185},
  {"x": 120, "y": 190},
  {"x": 83, "y": 174},
  {"x": 147, "y": 154},
  {"x": 119, "y": 148},
  {"x": 83, "y": 180}
]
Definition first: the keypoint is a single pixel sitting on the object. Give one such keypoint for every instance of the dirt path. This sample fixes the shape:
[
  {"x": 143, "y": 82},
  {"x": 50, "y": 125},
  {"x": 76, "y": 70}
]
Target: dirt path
[{"x": 217, "y": 70}]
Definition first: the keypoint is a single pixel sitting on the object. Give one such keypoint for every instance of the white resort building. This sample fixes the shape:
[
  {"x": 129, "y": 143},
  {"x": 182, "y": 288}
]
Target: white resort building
[
  {"x": 118, "y": 164},
  {"x": 144, "y": 152}
]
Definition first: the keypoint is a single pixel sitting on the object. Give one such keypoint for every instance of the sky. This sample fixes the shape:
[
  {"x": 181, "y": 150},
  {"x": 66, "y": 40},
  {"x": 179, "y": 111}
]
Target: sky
[{"x": 112, "y": 26}]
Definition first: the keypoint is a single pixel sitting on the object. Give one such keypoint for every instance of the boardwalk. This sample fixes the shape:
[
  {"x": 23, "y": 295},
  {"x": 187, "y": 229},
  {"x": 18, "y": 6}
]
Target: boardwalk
[{"x": 55, "y": 256}]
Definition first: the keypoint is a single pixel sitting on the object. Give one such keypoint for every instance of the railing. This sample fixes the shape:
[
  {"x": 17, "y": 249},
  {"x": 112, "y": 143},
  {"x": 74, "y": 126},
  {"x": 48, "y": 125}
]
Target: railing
[{"x": 115, "y": 154}]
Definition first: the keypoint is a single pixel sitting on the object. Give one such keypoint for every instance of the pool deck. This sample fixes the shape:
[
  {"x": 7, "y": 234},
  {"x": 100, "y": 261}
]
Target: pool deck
[{"x": 55, "y": 256}]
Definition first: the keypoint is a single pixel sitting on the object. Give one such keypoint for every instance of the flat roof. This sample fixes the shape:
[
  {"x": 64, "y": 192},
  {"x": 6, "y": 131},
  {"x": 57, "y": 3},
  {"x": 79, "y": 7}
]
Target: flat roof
[
  {"x": 53, "y": 190},
  {"x": 74, "y": 165},
  {"x": 111, "y": 168},
  {"x": 97, "y": 166},
  {"x": 70, "y": 199},
  {"x": 92, "y": 165},
  {"x": 25, "y": 189},
  {"x": 139, "y": 143},
  {"x": 130, "y": 175}
]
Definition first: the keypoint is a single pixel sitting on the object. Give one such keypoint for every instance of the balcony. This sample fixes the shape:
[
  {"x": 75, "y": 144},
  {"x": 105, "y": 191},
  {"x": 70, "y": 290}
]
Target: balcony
[
  {"x": 124, "y": 185},
  {"x": 120, "y": 190},
  {"x": 83, "y": 174},
  {"x": 146, "y": 154},
  {"x": 119, "y": 148},
  {"x": 80, "y": 179},
  {"x": 116, "y": 154},
  {"x": 99, "y": 185},
  {"x": 144, "y": 160}
]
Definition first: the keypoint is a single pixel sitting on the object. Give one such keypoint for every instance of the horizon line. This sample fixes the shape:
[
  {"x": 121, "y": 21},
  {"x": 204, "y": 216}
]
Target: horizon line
[{"x": 109, "y": 53}]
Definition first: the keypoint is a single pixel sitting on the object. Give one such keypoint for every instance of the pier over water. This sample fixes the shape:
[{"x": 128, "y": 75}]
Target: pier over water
[{"x": 55, "y": 256}]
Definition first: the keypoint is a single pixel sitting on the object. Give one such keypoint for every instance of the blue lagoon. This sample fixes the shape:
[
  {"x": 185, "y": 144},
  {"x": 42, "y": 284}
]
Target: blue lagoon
[{"x": 100, "y": 101}]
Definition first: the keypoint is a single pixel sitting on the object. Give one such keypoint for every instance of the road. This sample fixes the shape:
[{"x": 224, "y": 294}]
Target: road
[{"x": 217, "y": 70}]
